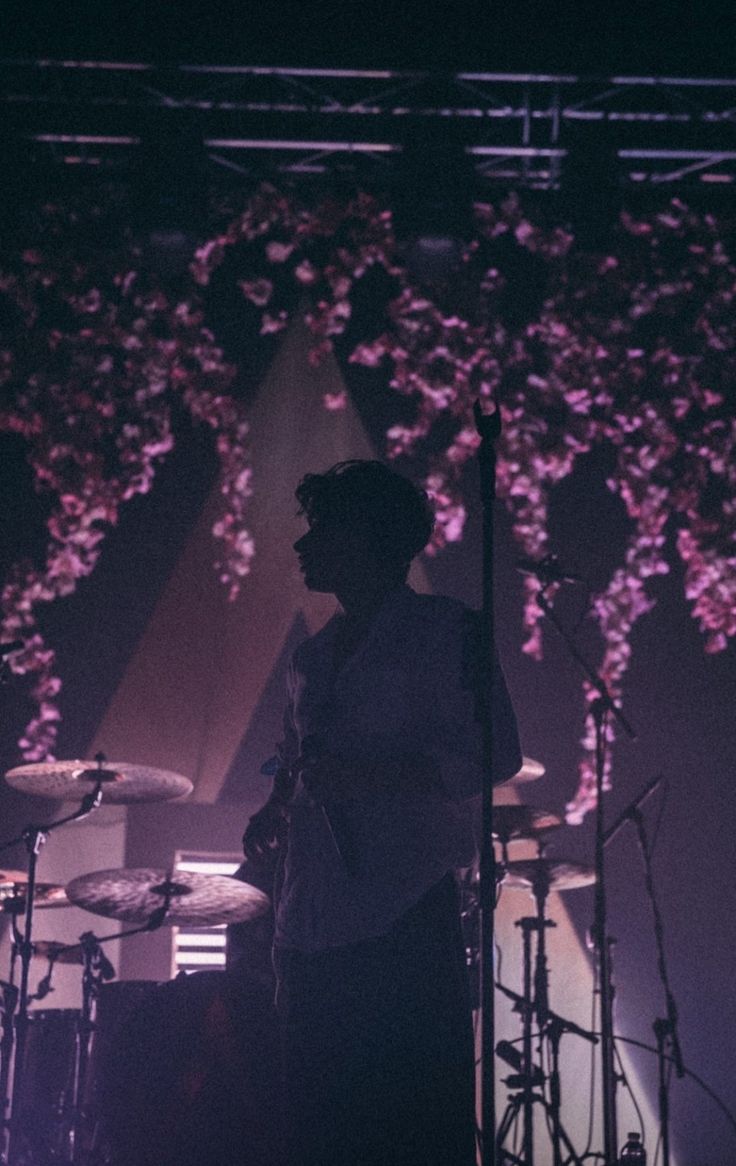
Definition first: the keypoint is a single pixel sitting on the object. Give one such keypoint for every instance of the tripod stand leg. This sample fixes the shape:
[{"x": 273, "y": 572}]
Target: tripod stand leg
[{"x": 505, "y": 1157}]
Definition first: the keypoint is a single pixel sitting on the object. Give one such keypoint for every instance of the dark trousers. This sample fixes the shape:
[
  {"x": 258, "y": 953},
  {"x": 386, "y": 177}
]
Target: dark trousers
[{"x": 378, "y": 1045}]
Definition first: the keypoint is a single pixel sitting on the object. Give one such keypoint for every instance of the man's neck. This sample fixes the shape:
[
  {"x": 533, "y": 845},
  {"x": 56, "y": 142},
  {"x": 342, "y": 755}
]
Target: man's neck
[{"x": 363, "y": 602}]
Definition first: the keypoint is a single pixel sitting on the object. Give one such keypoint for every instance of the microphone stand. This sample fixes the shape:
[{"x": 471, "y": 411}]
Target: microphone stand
[
  {"x": 488, "y": 426},
  {"x": 665, "y": 1029},
  {"x": 600, "y": 709}
]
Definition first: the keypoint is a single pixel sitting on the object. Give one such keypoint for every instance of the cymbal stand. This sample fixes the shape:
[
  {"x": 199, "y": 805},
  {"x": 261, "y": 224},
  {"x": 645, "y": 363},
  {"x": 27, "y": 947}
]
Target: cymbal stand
[
  {"x": 34, "y": 838},
  {"x": 551, "y": 1027},
  {"x": 535, "y": 1002},
  {"x": 600, "y": 709},
  {"x": 97, "y": 968}
]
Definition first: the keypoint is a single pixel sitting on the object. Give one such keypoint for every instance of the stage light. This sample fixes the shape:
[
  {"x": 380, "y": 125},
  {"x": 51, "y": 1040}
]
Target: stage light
[{"x": 432, "y": 204}]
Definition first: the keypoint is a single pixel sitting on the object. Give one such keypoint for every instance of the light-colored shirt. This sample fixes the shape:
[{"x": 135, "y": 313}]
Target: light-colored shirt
[{"x": 409, "y": 689}]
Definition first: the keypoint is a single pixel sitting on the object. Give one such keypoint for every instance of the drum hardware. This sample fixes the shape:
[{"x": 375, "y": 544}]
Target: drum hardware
[
  {"x": 539, "y": 875},
  {"x": 512, "y": 822},
  {"x": 33, "y": 837},
  {"x": 602, "y": 706},
  {"x": 75, "y": 781}
]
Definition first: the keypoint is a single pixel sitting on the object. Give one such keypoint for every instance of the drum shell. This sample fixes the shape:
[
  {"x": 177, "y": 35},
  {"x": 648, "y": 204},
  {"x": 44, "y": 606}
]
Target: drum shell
[
  {"x": 117, "y": 1002},
  {"x": 190, "y": 1076},
  {"x": 51, "y": 1052}
]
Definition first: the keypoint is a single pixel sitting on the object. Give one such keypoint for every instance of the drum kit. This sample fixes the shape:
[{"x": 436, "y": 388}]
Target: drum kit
[
  {"x": 46, "y": 1054},
  {"x": 49, "y": 1058}
]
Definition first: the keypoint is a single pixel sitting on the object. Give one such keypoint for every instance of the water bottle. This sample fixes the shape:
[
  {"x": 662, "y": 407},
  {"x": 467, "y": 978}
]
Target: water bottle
[{"x": 633, "y": 1153}]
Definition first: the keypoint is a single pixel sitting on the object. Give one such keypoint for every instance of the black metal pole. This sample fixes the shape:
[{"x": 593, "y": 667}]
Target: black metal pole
[
  {"x": 528, "y": 924},
  {"x": 661, "y": 1032},
  {"x": 665, "y": 1029},
  {"x": 35, "y": 838},
  {"x": 488, "y": 426},
  {"x": 602, "y": 943},
  {"x": 600, "y": 708}
]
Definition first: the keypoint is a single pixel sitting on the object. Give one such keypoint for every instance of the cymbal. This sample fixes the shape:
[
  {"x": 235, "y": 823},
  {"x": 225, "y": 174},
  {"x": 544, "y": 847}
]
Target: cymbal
[
  {"x": 513, "y": 823},
  {"x": 59, "y": 953},
  {"x": 16, "y": 878},
  {"x": 13, "y": 894},
  {"x": 551, "y": 874},
  {"x": 530, "y": 771},
  {"x": 196, "y": 900},
  {"x": 70, "y": 781}
]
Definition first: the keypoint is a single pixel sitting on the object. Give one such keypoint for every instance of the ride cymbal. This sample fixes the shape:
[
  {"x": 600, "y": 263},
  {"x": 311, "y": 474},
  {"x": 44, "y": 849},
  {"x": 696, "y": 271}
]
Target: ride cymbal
[
  {"x": 70, "y": 781},
  {"x": 547, "y": 874},
  {"x": 194, "y": 900}
]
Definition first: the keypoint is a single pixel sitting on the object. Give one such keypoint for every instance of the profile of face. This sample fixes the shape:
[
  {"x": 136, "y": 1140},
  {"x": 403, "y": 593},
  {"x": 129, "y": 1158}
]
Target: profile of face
[{"x": 335, "y": 557}]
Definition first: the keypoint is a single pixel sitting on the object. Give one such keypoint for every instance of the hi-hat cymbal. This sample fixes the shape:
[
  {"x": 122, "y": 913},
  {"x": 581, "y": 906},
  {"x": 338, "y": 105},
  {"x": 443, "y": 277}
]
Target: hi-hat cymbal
[
  {"x": 57, "y": 952},
  {"x": 195, "y": 900},
  {"x": 513, "y": 823},
  {"x": 530, "y": 771},
  {"x": 70, "y": 781},
  {"x": 547, "y": 874},
  {"x": 13, "y": 885}
]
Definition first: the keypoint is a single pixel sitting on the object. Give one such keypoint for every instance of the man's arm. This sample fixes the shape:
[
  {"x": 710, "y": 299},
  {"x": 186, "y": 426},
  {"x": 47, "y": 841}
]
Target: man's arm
[{"x": 266, "y": 828}]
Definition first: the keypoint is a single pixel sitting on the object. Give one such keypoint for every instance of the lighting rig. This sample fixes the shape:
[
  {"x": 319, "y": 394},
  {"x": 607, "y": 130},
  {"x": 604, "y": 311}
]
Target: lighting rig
[{"x": 516, "y": 129}]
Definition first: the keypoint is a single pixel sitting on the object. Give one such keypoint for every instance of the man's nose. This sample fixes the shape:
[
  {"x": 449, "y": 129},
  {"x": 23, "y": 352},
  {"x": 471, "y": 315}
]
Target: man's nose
[{"x": 301, "y": 543}]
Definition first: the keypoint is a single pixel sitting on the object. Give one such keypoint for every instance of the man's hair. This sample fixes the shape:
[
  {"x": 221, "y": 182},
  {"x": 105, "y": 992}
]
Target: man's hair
[{"x": 395, "y": 514}]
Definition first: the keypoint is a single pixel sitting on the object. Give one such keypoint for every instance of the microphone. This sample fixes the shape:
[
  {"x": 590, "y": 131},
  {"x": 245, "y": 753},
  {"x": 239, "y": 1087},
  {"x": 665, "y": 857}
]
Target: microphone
[
  {"x": 11, "y": 646},
  {"x": 547, "y": 570}
]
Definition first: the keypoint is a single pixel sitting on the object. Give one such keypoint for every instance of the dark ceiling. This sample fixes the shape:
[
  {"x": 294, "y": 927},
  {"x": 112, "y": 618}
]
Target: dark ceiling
[{"x": 619, "y": 36}]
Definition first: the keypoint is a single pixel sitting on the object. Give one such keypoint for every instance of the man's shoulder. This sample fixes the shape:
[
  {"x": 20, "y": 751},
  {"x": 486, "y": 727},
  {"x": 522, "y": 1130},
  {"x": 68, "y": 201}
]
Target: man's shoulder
[{"x": 315, "y": 644}]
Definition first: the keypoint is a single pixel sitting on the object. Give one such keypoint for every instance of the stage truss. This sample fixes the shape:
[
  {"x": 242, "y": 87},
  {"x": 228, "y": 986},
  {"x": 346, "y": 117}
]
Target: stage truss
[{"x": 522, "y": 130}]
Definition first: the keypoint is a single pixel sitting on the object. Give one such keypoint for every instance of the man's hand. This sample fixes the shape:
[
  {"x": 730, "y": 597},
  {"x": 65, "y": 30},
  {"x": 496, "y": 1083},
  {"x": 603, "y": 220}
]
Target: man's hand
[{"x": 266, "y": 829}]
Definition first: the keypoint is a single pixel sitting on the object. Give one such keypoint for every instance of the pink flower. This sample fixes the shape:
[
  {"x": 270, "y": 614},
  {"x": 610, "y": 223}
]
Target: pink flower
[{"x": 278, "y": 252}]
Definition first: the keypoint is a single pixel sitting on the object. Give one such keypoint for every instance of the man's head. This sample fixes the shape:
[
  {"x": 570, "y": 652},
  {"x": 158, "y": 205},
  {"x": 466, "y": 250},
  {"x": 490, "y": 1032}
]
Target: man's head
[{"x": 362, "y": 516}]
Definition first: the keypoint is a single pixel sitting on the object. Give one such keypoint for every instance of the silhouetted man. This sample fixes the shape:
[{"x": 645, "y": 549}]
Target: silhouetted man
[{"x": 381, "y": 750}]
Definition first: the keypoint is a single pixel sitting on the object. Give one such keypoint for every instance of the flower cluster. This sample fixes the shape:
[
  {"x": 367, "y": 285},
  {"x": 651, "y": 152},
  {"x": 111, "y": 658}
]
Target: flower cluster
[
  {"x": 98, "y": 357},
  {"x": 631, "y": 345}
]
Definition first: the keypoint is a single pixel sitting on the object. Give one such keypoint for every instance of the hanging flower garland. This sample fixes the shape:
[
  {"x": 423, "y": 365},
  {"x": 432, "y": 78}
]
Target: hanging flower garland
[
  {"x": 96, "y": 360},
  {"x": 633, "y": 347}
]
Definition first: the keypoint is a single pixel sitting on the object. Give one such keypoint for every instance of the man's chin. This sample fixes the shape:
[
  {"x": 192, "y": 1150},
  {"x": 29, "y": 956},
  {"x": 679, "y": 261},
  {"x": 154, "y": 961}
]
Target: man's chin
[{"x": 315, "y": 584}]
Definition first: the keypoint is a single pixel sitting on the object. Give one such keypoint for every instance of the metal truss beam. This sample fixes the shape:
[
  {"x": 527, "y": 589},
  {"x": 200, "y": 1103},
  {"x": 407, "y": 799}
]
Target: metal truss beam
[{"x": 514, "y": 128}]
